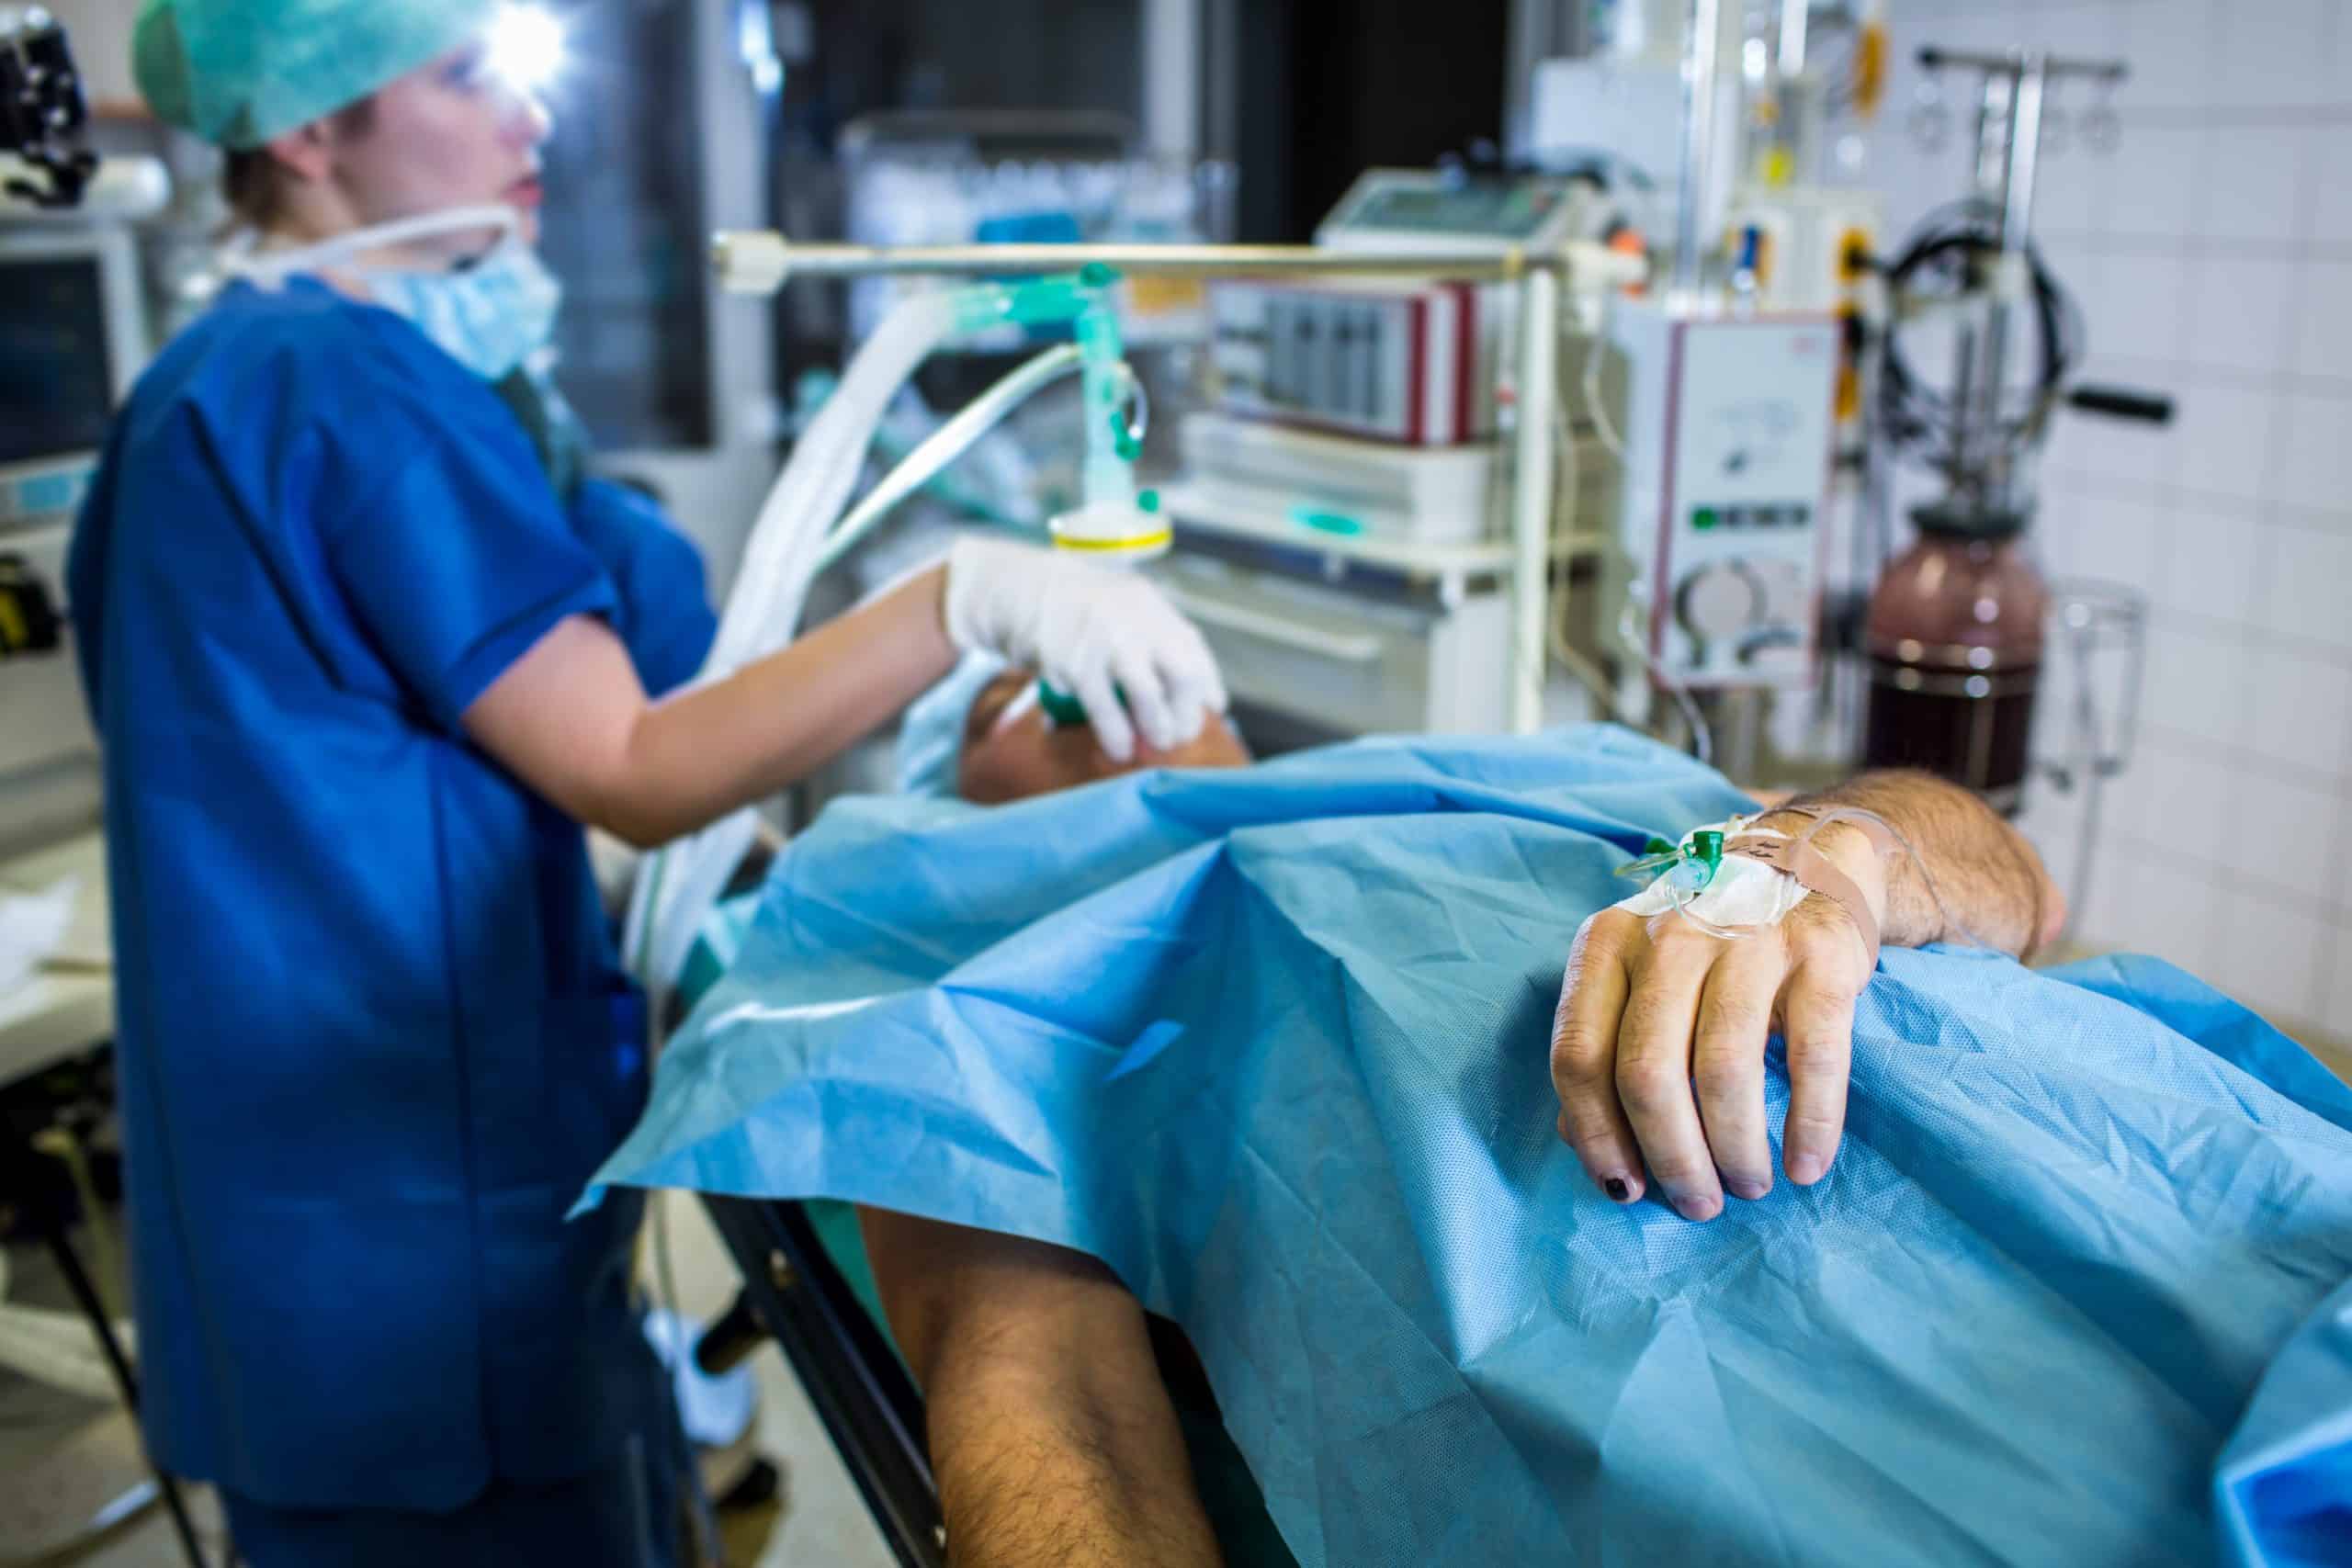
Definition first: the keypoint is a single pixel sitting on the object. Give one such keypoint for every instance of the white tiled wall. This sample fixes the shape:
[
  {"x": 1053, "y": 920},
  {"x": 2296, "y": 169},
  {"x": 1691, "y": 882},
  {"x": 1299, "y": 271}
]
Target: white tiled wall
[{"x": 2213, "y": 253}]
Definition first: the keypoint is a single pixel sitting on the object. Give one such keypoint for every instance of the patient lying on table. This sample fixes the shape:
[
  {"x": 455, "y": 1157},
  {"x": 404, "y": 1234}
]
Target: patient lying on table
[{"x": 1274, "y": 1052}]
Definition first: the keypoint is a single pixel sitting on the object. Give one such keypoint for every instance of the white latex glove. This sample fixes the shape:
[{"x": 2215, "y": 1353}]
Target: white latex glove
[{"x": 1092, "y": 631}]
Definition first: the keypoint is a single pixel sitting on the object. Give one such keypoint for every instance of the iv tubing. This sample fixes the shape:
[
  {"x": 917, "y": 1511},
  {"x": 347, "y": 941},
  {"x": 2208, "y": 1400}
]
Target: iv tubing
[
  {"x": 678, "y": 882},
  {"x": 1109, "y": 475},
  {"x": 943, "y": 447},
  {"x": 792, "y": 541}
]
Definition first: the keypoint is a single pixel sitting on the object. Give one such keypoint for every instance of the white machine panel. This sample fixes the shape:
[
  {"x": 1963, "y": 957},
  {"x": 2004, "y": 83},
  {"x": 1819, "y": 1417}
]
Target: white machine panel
[
  {"x": 1443, "y": 495},
  {"x": 1630, "y": 110},
  {"x": 1728, "y": 428},
  {"x": 1344, "y": 664}
]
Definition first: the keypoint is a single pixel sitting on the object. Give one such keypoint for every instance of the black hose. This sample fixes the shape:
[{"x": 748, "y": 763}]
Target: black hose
[{"x": 1920, "y": 421}]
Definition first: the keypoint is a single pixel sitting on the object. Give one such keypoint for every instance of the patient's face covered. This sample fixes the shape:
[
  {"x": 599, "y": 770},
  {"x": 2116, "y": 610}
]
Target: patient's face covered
[{"x": 1013, "y": 752}]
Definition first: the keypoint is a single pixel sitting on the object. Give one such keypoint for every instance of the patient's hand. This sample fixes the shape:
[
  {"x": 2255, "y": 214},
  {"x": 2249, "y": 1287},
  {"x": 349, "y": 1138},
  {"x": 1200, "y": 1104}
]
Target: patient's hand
[
  {"x": 1657, "y": 1050},
  {"x": 1012, "y": 753},
  {"x": 1652, "y": 1009}
]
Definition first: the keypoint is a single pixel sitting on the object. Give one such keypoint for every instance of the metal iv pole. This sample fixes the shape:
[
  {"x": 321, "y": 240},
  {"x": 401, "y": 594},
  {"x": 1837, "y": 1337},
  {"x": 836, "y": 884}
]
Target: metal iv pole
[{"x": 2008, "y": 151}]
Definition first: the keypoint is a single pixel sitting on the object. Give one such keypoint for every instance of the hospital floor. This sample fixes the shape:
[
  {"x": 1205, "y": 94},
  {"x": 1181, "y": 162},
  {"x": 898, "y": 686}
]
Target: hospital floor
[{"x": 64, "y": 1458}]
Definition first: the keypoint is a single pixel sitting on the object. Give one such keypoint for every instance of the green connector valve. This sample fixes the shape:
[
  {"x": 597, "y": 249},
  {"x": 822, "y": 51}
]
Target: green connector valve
[
  {"x": 1686, "y": 869},
  {"x": 1097, "y": 274},
  {"x": 1707, "y": 847},
  {"x": 1061, "y": 708}
]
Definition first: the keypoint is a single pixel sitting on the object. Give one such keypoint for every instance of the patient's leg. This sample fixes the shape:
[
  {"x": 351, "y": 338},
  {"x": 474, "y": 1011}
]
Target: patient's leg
[{"x": 1051, "y": 1435}]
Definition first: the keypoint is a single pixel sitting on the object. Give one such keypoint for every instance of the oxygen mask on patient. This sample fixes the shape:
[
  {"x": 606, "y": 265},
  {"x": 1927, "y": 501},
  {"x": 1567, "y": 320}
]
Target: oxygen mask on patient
[
  {"x": 1116, "y": 533},
  {"x": 1116, "y": 524}
]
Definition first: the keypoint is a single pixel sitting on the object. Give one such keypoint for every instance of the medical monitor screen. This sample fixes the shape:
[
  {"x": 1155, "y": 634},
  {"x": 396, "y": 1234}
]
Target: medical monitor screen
[
  {"x": 1514, "y": 211},
  {"x": 56, "y": 390}
]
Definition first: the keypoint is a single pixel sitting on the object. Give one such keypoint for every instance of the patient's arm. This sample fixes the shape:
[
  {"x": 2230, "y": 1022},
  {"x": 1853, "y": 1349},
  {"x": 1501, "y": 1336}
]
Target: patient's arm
[
  {"x": 1051, "y": 1434},
  {"x": 1657, "y": 1050},
  {"x": 1052, "y": 1437},
  {"x": 1988, "y": 876}
]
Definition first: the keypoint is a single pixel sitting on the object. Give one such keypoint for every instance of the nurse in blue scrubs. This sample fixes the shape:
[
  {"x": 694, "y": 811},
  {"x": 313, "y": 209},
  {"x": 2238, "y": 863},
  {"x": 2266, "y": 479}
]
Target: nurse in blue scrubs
[{"x": 367, "y": 647}]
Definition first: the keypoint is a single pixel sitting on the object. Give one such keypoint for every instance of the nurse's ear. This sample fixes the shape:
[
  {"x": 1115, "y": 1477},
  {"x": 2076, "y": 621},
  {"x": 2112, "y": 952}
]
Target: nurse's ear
[
  {"x": 307, "y": 152},
  {"x": 288, "y": 182}
]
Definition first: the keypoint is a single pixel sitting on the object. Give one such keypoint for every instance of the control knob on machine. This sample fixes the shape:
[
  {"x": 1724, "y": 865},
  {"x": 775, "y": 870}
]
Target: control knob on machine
[{"x": 1717, "y": 603}]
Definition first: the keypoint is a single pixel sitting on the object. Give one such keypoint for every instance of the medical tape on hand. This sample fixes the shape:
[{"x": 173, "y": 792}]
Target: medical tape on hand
[
  {"x": 1744, "y": 891},
  {"x": 1811, "y": 871},
  {"x": 1819, "y": 872},
  {"x": 1765, "y": 874}
]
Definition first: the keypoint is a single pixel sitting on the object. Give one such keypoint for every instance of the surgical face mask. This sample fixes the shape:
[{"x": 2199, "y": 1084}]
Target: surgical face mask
[{"x": 494, "y": 316}]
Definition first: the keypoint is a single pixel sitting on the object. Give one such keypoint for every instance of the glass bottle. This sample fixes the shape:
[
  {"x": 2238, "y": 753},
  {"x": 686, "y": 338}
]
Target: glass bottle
[{"x": 1955, "y": 640}]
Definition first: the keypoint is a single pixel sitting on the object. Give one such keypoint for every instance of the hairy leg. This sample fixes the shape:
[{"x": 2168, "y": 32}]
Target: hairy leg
[{"x": 1052, "y": 1436}]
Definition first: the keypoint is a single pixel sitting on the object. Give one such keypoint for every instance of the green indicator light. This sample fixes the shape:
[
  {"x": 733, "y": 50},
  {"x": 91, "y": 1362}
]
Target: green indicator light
[
  {"x": 1149, "y": 499},
  {"x": 1325, "y": 522},
  {"x": 1705, "y": 518}
]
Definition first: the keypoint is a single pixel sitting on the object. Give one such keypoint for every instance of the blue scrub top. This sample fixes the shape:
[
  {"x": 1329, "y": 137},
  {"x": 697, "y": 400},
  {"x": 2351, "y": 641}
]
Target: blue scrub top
[{"x": 372, "y": 1034}]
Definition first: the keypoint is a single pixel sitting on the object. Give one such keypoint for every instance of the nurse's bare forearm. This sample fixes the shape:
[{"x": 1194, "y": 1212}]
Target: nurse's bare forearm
[
  {"x": 571, "y": 719},
  {"x": 1989, "y": 876},
  {"x": 698, "y": 755}
]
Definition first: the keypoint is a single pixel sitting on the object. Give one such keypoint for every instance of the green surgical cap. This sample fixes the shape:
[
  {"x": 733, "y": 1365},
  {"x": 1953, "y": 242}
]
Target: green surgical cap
[{"x": 240, "y": 72}]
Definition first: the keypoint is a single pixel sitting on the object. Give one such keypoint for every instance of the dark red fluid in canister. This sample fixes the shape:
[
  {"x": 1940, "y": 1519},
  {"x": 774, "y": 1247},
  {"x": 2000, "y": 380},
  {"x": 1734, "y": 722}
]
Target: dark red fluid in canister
[{"x": 1955, "y": 659}]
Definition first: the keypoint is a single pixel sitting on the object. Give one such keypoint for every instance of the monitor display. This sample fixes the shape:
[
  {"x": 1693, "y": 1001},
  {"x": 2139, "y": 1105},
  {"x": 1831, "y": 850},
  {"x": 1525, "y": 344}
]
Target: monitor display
[
  {"x": 56, "y": 387},
  {"x": 1513, "y": 211}
]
